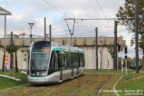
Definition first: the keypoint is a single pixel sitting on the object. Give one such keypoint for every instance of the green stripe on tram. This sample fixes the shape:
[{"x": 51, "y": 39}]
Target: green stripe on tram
[
  {"x": 59, "y": 49},
  {"x": 37, "y": 76},
  {"x": 78, "y": 52}
]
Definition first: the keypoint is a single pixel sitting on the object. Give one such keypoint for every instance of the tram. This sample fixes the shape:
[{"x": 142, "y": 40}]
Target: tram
[{"x": 54, "y": 62}]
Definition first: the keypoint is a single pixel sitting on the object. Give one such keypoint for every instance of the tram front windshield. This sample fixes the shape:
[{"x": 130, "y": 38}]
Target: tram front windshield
[{"x": 39, "y": 58}]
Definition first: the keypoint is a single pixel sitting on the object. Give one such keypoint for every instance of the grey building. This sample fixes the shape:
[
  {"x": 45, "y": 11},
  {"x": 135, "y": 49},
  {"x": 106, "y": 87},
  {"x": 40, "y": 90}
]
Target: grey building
[{"x": 105, "y": 60}]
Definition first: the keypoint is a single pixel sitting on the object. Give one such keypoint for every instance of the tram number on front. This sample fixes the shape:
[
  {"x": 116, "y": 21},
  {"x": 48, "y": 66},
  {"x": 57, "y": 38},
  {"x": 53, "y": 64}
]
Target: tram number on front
[{"x": 44, "y": 50}]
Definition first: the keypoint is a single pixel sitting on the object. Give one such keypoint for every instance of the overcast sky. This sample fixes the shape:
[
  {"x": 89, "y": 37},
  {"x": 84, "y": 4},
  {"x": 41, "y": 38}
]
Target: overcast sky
[{"x": 24, "y": 11}]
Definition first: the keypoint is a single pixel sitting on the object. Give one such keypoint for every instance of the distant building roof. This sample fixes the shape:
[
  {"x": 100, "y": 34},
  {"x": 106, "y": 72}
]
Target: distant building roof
[
  {"x": 14, "y": 36},
  {"x": 76, "y": 41}
]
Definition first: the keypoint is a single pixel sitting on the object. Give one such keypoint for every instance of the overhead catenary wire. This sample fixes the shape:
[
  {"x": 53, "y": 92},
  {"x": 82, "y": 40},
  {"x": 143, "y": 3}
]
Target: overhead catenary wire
[
  {"x": 101, "y": 8},
  {"x": 92, "y": 19},
  {"x": 82, "y": 19},
  {"x": 74, "y": 19},
  {"x": 88, "y": 32},
  {"x": 52, "y": 6}
]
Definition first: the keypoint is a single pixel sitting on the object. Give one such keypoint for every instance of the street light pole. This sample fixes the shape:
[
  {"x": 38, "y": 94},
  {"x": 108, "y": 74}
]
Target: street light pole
[
  {"x": 4, "y": 43},
  {"x": 5, "y": 13},
  {"x": 5, "y": 31},
  {"x": 31, "y": 25}
]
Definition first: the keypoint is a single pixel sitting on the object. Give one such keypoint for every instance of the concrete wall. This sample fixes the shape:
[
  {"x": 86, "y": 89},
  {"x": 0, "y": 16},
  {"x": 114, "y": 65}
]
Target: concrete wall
[
  {"x": 22, "y": 57},
  {"x": 103, "y": 58}
]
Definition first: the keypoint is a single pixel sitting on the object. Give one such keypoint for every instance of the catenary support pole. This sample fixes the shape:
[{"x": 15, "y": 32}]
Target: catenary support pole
[
  {"x": 136, "y": 37},
  {"x": 101, "y": 61},
  {"x": 45, "y": 28},
  {"x": 11, "y": 55},
  {"x": 50, "y": 38},
  {"x": 115, "y": 45},
  {"x": 96, "y": 30}
]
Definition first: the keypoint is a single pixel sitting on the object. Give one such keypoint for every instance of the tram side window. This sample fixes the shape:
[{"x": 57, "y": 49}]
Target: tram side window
[
  {"x": 82, "y": 62},
  {"x": 53, "y": 63},
  {"x": 76, "y": 60},
  {"x": 72, "y": 60},
  {"x": 66, "y": 60},
  {"x": 79, "y": 60},
  {"x": 63, "y": 60}
]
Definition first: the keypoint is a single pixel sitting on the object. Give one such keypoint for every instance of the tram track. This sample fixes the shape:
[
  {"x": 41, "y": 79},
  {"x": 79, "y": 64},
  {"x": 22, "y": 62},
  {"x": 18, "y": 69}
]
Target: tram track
[
  {"x": 75, "y": 87},
  {"x": 99, "y": 89},
  {"x": 10, "y": 91},
  {"x": 103, "y": 86},
  {"x": 75, "y": 91}
]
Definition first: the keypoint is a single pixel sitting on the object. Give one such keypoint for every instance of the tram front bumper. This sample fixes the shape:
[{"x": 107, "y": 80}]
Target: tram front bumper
[{"x": 43, "y": 79}]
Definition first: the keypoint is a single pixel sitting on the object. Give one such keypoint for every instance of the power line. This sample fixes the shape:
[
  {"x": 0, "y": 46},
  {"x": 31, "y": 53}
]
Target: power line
[
  {"x": 52, "y": 6},
  {"x": 101, "y": 8},
  {"x": 91, "y": 19},
  {"x": 101, "y": 19}
]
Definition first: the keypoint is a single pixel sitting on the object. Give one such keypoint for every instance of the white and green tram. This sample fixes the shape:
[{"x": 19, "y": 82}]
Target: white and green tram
[{"x": 54, "y": 62}]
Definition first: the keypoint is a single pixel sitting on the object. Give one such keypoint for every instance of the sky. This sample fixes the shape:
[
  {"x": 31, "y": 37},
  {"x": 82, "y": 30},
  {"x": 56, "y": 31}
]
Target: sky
[{"x": 26, "y": 11}]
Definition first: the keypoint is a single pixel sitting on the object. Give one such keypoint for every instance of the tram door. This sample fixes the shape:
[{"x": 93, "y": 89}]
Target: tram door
[
  {"x": 77, "y": 63},
  {"x": 64, "y": 67},
  {"x": 54, "y": 63},
  {"x": 61, "y": 64},
  {"x": 72, "y": 64}
]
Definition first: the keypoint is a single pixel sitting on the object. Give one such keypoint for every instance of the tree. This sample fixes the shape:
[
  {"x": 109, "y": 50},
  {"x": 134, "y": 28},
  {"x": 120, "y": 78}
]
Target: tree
[
  {"x": 16, "y": 65},
  {"x": 126, "y": 15},
  {"x": 10, "y": 49},
  {"x": 13, "y": 49},
  {"x": 129, "y": 61}
]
